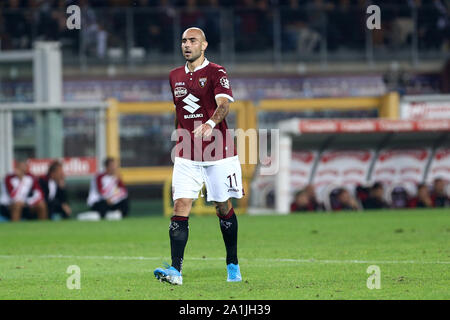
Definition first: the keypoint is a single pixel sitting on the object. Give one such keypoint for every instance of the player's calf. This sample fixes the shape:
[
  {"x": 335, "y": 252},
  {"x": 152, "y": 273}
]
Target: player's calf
[
  {"x": 178, "y": 233},
  {"x": 229, "y": 229},
  {"x": 16, "y": 209},
  {"x": 41, "y": 210}
]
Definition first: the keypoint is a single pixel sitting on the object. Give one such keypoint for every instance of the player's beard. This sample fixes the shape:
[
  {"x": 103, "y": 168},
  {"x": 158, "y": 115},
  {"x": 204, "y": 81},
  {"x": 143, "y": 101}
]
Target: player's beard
[{"x": 193, "y": 58}]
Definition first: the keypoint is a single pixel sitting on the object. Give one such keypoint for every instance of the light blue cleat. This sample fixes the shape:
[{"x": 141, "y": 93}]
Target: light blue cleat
[
  {"x": 234, "y": 273},
  {"x": 169, "y": 274}
]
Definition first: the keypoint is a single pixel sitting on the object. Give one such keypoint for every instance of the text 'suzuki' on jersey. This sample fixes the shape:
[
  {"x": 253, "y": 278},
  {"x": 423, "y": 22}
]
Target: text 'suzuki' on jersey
[{"x": 194, "y": 96}]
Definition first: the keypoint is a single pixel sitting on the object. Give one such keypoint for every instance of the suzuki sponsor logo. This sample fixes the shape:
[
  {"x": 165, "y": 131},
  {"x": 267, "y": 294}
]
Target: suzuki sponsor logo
[
  {"x": 193, "y": 116},
  {"x": 191, "y": 104}
]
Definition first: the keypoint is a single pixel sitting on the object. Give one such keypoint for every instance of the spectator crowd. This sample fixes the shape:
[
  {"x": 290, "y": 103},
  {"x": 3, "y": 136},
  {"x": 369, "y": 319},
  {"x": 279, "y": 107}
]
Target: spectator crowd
[
  {"x": 26, "y": 197},
  {"x": 373, "y": 197},
  {"x": 303, "y": 24}
]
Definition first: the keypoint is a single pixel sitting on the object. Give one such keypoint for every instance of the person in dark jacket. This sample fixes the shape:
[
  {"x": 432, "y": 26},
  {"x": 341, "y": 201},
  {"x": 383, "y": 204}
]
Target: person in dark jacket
[
  {"x": 423, "y": 199},
  {"x": 53, "y": 186},
  {"x": 301, "y": 202},
  {"x": 344, "y": 201},
  {"x": 439, "y": 195},
  {"x": 376, "y": 198},
  {"x": 313, "y": 202}
]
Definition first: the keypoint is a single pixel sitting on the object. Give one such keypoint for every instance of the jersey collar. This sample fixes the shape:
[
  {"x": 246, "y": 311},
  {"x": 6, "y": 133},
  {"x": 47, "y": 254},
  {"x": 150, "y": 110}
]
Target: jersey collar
[{"x": 204, "y": 64}]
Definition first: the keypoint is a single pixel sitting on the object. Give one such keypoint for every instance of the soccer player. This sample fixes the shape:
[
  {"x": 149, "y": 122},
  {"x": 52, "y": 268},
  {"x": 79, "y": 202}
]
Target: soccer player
[
  {"x": 202, "y": 95},
  {"x": 22, "y": 196},
  {"x": 107, "y": 192}
]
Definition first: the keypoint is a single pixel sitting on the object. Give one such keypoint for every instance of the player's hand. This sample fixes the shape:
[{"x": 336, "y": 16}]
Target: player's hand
[
  {"x": 66, "y": 209},
  {"x": 204, "y": 130}
]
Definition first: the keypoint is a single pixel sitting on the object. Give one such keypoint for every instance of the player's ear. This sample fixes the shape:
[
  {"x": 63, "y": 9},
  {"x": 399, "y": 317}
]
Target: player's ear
[{"x": 204, "y": 45}]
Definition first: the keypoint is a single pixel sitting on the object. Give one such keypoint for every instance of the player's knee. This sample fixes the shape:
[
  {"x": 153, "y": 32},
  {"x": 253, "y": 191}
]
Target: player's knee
[
  {"x": 18, "y": 204},
  {"x": 41, "y": 205},
  {"x": 222, "y": 208},
  {"x": 42, "y": 208},
  {"x": 182, "y": 206}
]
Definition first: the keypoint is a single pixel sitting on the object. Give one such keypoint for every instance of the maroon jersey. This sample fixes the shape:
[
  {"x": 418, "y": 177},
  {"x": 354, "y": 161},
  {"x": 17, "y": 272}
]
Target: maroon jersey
[{"x": 194, "y": 96}]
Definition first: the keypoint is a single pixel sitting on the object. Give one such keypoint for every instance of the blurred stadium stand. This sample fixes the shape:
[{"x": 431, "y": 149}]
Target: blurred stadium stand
[
  {"x": 279, "y": 49},
  {"x": 275, "y": 32},
  {"x": 254, "y": 39}
]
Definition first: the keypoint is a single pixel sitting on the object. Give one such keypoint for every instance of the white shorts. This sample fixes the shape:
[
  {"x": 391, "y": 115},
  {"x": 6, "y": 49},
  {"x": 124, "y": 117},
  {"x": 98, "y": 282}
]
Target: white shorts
[{"x": 222, "y": 178}]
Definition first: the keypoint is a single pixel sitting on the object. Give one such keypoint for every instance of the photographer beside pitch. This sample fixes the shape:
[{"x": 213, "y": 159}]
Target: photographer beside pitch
[{"x": 201, "y": 94}]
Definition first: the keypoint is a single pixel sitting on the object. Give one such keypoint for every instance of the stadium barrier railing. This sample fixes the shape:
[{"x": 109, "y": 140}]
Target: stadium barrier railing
[
  {"x": 53, "y": 131},
  {"x": 162, "y": 174},
  {"x": 352, "y": 152},
  {"x": 246, "y": 118}
]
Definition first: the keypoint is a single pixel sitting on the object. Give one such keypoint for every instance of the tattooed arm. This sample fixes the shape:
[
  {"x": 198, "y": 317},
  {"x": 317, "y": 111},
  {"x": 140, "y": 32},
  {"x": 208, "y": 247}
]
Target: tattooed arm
[{"x": 223, "y": 107}]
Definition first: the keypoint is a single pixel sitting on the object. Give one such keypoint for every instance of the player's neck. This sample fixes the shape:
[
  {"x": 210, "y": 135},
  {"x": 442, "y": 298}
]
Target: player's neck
[{"x": 197, "y": 63}]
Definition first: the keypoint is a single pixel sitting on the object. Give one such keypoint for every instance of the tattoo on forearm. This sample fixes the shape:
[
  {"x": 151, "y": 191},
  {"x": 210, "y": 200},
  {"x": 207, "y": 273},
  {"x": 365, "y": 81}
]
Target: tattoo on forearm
[{"x": 220, "y": 113}]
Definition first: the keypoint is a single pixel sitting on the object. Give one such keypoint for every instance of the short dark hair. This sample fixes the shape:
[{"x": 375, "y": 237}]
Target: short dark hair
[
  {"x": 53, "y": 166},
  {"x": 108, "y": 161},
  {"x": 377, "y": 185},
  {"x": 421, "y": 185},
  {"x": 299, "y": 192}
]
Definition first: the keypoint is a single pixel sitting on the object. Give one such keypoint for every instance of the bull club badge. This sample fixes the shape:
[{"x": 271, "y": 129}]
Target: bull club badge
[{"x": 202, "y": 81}]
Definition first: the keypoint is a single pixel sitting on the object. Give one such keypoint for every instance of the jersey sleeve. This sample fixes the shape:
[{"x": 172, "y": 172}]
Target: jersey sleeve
[
  {"x": 171, "y": 89},
  {"x": 36, "y": 194},
  {"x": 9, "y": 186},
  {"x": 99, "y": 184},
  {"x": 222, "y": 87}
]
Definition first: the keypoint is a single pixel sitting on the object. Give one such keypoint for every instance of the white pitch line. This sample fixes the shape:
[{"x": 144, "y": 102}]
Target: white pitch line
[
  {"x": 356, "y": 261},
  {"x": 325, "y": 261}
]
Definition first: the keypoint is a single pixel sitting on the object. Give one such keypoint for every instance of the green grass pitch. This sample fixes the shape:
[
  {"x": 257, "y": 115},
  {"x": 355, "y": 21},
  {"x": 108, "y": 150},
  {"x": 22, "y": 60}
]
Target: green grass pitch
[{"x": 308, "y": 256}]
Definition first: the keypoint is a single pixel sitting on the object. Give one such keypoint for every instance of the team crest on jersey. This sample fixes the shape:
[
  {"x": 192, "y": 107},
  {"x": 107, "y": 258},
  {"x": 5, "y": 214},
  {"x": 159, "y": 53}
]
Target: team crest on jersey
[
  {"x": 180, "y": 92},
  {"x": 202, "y": 81}
]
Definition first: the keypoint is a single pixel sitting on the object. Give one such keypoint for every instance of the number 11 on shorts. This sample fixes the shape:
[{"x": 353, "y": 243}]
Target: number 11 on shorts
[{"x": 231, "y": 182}]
